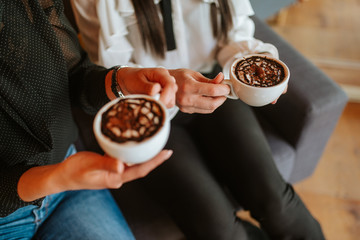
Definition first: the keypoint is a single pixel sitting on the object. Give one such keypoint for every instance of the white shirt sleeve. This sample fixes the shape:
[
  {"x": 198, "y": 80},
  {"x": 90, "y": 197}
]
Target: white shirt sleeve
[{"x": 103, "y": 31}]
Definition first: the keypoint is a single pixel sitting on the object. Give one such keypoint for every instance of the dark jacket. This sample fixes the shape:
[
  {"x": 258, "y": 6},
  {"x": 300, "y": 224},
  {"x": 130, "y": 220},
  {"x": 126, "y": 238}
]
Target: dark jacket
[{"x": 43, "y": 73}]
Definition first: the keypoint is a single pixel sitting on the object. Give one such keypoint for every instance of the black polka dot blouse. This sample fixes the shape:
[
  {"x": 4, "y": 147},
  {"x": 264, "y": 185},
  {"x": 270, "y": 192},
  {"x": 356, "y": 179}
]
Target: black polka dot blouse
[{"x": 43, "y": 73}]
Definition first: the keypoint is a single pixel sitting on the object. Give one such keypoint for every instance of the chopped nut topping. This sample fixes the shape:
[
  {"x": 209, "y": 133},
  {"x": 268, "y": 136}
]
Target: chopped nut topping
[
  {"x": 132, "y": 119},
  {"x": 259, "y": 71}
]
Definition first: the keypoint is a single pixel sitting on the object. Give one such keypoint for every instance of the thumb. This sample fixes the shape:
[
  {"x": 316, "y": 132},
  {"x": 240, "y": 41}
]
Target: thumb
[{"x": 219, "y": 78}]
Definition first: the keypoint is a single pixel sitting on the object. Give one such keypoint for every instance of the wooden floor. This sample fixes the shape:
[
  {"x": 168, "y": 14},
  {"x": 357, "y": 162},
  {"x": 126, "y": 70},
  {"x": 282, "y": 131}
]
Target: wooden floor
[{"x": 328, "y": 33}]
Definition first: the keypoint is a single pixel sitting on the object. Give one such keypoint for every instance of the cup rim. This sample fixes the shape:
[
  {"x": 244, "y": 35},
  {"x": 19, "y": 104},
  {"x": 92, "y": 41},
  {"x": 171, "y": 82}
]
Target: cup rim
[
  {"x": 97, "y": 121},
  {"x": 284, "y": 80}
]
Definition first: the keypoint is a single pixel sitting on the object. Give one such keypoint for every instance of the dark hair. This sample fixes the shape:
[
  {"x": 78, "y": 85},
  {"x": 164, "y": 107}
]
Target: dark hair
[{"x": 152, "y": 31}]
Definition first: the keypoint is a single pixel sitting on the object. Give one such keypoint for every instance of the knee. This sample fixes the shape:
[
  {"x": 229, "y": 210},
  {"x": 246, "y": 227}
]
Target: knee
[{"x": 280, "y": 201}]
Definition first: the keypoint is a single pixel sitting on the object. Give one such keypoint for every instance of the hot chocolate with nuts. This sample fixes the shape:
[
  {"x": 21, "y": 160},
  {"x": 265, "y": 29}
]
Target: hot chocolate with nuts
[
  {"x": 257, "y": 79},
  {"x": 132, "y": 119},
  {"x": 259, "y": 71},
  {"x": 133, "y": 129}
]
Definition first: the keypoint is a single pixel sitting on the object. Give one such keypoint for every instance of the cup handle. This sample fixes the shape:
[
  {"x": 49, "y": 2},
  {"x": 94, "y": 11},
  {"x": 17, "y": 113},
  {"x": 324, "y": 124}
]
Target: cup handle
[{"x": 232, "y": 94}]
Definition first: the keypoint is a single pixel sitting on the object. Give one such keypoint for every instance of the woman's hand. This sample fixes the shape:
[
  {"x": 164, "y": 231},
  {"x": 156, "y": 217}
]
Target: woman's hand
[
  {"x": 89, "y": 170},
  {"x": 285, "y": 90},
  {"x": 198, "y": 94},
  {"x": 148, "y": 81},
  {"x": 83, "y": 170}
]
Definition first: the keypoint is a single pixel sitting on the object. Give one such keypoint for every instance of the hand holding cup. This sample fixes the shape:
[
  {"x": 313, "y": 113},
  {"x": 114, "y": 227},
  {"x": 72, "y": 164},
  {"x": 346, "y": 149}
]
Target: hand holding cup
[{"x": 133, "y": 129}]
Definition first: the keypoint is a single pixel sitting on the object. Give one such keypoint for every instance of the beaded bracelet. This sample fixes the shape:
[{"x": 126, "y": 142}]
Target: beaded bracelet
[{"x": 115, "y": 88}]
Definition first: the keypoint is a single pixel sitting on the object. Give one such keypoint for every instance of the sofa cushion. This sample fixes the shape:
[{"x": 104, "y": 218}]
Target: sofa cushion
[{"x": 283, "y": 153}]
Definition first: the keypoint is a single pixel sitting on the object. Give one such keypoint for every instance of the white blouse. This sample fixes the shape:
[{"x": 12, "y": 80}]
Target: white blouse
[{"x": 110, "y": 35}]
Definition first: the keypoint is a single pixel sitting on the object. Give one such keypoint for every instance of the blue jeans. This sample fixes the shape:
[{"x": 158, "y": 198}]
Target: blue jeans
[{"x": 85, "y": 214}]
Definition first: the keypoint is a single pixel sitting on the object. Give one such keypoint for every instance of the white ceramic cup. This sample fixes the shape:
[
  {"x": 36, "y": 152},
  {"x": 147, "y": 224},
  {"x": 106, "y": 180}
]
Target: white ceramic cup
[
  {"x": 251, "y": 95},
  {"x": 133, "y": 152}
]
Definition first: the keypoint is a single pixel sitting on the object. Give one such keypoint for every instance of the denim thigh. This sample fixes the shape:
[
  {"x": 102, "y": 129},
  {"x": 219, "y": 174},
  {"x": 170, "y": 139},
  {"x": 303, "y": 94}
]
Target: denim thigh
[
  {"x": 23, "y": 223},
  {"x": 86, "y": 214}
]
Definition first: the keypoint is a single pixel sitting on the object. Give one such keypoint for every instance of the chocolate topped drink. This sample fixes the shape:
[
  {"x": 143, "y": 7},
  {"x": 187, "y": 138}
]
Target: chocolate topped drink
[
  {"x": 132, "y": 119},
  {"x": 259, "y": 71}
]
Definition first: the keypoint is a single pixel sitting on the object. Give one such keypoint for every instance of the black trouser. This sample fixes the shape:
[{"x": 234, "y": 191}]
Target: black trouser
[{"x": 226, "y": 150}]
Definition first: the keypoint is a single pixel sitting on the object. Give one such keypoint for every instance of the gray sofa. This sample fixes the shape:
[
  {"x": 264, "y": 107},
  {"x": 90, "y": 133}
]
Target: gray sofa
[
  {"x": 297, "y": 127},
  {"x": 306, "y": 116}
]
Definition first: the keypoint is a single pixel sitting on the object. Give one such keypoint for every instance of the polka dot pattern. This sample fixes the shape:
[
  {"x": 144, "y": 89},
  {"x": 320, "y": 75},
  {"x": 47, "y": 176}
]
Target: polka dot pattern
[{"x": 38, "y": 50}]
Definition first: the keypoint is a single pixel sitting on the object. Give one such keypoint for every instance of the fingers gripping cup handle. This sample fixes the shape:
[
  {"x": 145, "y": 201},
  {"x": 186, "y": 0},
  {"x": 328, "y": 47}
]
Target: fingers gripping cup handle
[
  {"x": 171, "y": 111},
  {"x": 232, "y": 94}
]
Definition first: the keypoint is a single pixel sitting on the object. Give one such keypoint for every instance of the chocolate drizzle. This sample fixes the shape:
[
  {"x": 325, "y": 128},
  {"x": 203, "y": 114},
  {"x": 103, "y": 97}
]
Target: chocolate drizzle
[
  {"x": 259, "y": 71},
  {"x": 132, "y": 119}
]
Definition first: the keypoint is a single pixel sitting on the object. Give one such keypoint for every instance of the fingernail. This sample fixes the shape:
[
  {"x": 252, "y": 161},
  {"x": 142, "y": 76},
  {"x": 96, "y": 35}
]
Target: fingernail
[
  {"x": 220, "y": 73},
  {"x": 169, "y": 152}
]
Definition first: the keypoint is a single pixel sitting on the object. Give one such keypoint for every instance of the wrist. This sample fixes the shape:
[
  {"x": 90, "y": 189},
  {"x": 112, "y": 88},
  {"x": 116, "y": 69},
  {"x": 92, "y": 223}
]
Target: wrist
[
  {"x": 115, "y": 86},
  {"x": 112, "y": 86},
  {"x": 39, "y": 182},
  {"x": 108, "y": 90}
]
